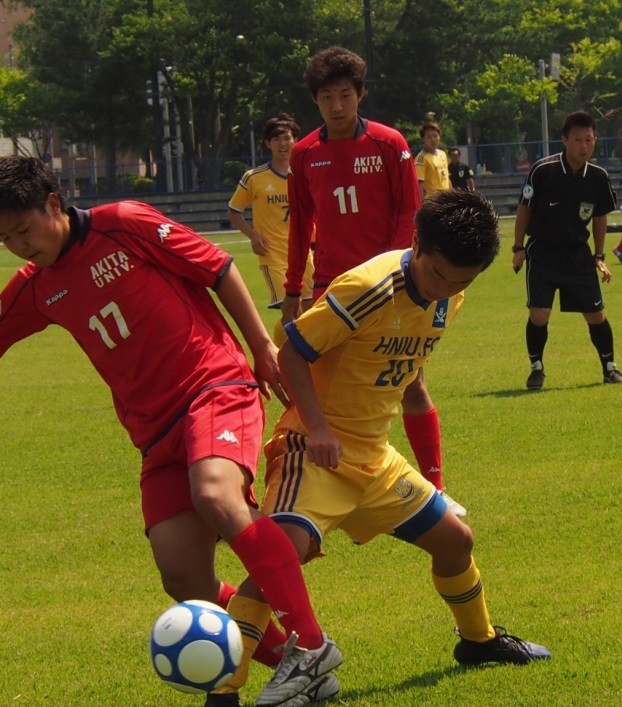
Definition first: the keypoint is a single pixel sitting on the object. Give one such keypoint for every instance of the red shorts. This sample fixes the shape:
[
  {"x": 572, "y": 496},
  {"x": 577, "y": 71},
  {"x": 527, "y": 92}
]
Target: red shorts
[{"x": 225, "y": 421}]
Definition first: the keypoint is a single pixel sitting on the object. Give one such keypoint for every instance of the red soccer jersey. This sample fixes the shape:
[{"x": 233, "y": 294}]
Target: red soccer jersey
[
  {"x": 361, "y": 193},
  {"x": 131, "y": 291}
]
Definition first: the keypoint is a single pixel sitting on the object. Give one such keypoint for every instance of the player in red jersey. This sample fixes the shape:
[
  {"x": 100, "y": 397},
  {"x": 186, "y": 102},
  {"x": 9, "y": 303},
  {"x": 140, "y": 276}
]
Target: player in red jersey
[
  {"x": 130, "y": 285},
  {"x": 355, "y": 180}
]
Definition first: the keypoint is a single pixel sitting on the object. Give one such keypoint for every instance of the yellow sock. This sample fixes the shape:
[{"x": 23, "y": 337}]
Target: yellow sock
[
  {"x": 252, "y": 617},
  {"x": 464, "y": 595},
  {"x": 279, "y": 336}
]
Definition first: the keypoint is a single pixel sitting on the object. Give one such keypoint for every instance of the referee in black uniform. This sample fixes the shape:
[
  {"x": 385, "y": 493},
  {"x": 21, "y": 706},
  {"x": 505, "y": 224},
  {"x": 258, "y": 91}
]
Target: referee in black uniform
[{"x": 560, "y": 196}]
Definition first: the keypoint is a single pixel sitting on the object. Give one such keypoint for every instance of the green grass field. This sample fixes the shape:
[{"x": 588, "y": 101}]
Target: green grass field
[{"x": 538, "y": 471}]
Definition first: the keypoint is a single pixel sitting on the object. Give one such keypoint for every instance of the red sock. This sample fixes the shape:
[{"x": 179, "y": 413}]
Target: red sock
[
  {"x": 272, "y": 562},
  {"x": 273, "y": 637},
  {"x": 424, "y": 434},
  {"x": 225, "y": 593},
  {"x": 264, "y": 653}
]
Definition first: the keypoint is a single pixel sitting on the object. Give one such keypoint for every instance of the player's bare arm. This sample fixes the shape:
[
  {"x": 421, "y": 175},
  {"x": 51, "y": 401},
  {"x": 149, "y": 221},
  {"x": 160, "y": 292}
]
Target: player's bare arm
[
  {"x": 599, "y": 231},
  {"x": 257, "y": 242},
  {"x": 417, "y": 400},
  {"x": 322, "y": 447},
  {"x": 237, "y": 301},
  {"x": 520, "y": 228},
  {"x": 290, "y": 308}
]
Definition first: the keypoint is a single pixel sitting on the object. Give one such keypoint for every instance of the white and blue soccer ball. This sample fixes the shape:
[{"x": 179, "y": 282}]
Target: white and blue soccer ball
[{"x": 195, "y": 646}]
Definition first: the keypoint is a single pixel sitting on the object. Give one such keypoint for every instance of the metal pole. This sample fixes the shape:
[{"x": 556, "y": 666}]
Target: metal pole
[
  {"x": 371, "y": 87},
  {"x": 252, "y": 136},
  {"x": 544, "y": 111},
  {"x": 166, "y": 134}
]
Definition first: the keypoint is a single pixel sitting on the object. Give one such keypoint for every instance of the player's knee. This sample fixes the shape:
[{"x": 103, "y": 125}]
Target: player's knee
[
  {"x": 454, "y": 542},
  {"x": 539, "y": 317},
  {"x": 462, "y": 538},
  {"x": 183, "y": 583}
]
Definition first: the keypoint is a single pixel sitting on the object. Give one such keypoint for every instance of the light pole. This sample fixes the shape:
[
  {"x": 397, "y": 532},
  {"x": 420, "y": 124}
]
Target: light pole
[
  {"x": 369, "y": 46},
  {"x": 251, "y": 127},
  {"x": 544, "y": 111},
  {"x": 252, "y": 136}
]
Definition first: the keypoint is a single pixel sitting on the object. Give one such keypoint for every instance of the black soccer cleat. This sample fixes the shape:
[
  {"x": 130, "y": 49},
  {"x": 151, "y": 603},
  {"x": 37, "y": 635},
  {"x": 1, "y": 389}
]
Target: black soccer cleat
[
  {"x": 536, "y": 377},
  {"x": 503, "y": 648},
  {"x": 612, "y": 376}
]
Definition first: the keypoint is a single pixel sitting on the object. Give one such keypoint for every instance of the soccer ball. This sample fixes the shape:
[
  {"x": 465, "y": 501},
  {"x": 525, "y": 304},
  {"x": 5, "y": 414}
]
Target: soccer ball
[{"x": 195, "y": 646}]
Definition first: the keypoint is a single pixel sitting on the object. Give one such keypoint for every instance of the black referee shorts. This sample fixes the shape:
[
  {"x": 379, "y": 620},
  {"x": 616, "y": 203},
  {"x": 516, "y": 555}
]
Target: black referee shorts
[{"x": 573, "y": 273}]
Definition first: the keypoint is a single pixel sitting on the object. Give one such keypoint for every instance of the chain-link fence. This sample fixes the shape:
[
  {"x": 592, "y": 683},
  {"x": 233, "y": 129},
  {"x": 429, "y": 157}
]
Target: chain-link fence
[{"x": 86, "y": 179}]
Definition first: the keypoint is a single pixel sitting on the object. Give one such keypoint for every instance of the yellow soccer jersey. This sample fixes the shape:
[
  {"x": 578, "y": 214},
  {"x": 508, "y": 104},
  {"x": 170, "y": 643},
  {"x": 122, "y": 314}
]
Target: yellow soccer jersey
[
  {"x": 266, "y": 192},
  {"x": 433, "y": 170},
  {"x": 365, "y": 339}
]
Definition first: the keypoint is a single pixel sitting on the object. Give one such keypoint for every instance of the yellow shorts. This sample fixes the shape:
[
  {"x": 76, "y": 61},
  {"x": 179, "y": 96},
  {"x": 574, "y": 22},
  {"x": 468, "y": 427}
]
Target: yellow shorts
[
  {"x": 387, "y": 497},
  {"x": 274, "y": 275}
]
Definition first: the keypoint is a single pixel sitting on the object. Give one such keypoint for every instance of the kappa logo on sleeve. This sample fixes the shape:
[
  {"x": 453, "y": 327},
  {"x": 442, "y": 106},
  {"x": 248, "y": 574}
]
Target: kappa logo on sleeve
[
  {"x": 405, "y": 155},
  {"x": 228, "y": 436},
  {"x": 163, "y": 230}
]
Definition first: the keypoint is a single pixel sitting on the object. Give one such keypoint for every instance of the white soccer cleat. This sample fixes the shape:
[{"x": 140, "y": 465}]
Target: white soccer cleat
[
  {"x": 459, "y": 510},
  {"x": 320, "y": 690},
  {"x": 299, "y": 671}
]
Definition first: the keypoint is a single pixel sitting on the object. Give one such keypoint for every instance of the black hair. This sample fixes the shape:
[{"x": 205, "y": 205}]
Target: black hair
[
  {"x": 333, "y": 64},
  {"x": 26, "y": 183},
  {"x": 462, "y": 226},
  {"x": 281, "y": 123},
  {"x": 429, "y": 125},
  {"x": 578, "y": 119}
]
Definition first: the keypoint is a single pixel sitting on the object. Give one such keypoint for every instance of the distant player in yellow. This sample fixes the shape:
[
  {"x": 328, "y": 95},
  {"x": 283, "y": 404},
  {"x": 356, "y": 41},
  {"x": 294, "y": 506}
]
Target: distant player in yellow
[
  {"x": 265, "y": 190},
  {"x": 346, "y": 365},
  {"x": 431, "y": 163}
]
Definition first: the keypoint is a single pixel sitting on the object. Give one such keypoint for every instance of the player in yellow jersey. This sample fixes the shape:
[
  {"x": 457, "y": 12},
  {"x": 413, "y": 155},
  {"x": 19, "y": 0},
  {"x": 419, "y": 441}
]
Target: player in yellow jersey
[
  {"x": 431, "y": 162},
  {"x": 346, "y": 365},
  {"x": 264, "y": 189}
]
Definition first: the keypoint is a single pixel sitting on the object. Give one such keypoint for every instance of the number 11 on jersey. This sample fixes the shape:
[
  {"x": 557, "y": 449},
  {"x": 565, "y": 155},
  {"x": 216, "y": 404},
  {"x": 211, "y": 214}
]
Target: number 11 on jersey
[{"x": 340, "y": 193}]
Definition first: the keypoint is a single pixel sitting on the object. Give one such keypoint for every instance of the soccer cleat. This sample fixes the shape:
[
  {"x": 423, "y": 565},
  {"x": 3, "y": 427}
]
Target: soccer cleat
[
  {"x": 319, "y": 690},
  {"x": 503, "y": 648},
  {"x": 299, "y": 670},
  {"x": 617, "y": 251},
  {"x": 459, "y": 510},
  {"x": 612, "y": 375},
  {"x": 536, "y": 377},
  {"x": 225, "y": 699}
]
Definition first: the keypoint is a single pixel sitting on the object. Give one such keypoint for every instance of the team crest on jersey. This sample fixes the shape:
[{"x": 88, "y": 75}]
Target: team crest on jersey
[
  {"x": 586, "y": 211},
  {"x": 370, "y": 164},
  {"x": 527, "y": 191},
  {"x": 440, "y": 315},
  {"x": 404, "y": 488},
  {"x": 110, "y": 268}
]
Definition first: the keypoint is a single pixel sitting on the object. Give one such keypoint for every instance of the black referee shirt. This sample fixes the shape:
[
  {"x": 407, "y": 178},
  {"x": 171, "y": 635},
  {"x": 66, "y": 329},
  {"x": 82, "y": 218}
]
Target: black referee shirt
[
  {"x": 459, "y": 175},
  {"x": 563, "y": 203}
]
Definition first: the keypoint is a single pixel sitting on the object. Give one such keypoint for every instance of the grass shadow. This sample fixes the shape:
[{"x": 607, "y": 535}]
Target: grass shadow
[{"x": 517, "y": 393}]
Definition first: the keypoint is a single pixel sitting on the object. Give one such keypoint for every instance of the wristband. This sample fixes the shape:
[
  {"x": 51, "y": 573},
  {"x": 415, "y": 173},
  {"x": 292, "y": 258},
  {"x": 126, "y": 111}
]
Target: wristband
[
  {"x": 518, "y": 248},
  {"x": 599, "y": 256}
]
